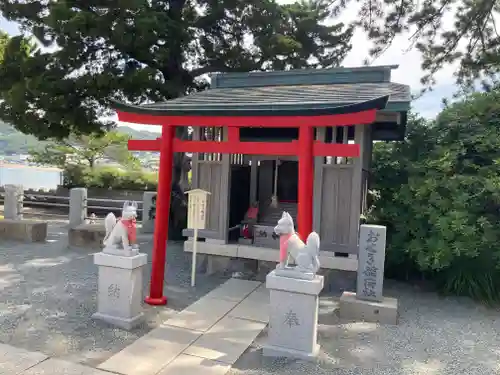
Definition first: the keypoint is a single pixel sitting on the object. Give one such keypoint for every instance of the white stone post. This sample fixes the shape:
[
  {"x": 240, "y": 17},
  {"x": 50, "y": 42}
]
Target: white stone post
[
  {"x": 368, "y": 303},
  {"x": 293, "y": 320},
  {"x": 13, "y": 203},
  {"x": 77, "y": 206},
  {"x": 119, "y": 298},
  {"x": 148, "y": 203}
]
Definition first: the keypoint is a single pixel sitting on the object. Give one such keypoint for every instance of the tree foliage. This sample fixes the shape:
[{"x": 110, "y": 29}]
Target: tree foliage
[
  {"x": 444, "y": 31},
  {"x": 85, "y": 150},
  {"x": 440, "y": 197},
  {"x": 147, "y": 50}
]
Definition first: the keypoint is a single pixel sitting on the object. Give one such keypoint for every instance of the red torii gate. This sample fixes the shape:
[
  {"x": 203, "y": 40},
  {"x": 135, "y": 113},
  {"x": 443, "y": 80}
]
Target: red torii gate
[{"x": 306, "y": 148}]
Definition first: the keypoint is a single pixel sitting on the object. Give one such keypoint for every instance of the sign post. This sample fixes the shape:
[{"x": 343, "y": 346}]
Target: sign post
[{"x": 197, "y": 207}]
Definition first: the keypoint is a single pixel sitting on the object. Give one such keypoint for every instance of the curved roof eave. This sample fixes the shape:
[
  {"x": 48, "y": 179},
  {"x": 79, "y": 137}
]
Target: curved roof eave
[{"x": 378, "y": 103}]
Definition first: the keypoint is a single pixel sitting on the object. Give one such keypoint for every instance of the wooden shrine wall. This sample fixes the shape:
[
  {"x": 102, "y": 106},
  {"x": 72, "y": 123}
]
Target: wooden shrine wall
[
  {"x": 211, "y": 172},
  {"x": 336, "y": 207},
  {"x": 210, "y": 179},
  {"x": 340, "y": 189}
]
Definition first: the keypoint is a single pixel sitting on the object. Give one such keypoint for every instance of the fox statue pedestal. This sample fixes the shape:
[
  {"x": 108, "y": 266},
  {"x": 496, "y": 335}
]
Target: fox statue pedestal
[
  {"x": 119, "y": 298},
  {"x": 294, "y": 290},
  {"x": 293, "y": 320}
]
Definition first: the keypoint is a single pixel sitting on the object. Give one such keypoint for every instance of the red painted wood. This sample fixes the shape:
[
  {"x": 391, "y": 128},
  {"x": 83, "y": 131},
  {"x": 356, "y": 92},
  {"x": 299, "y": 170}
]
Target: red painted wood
[
  {"x": 229, "y": 147},
  {"x": 305, "y": 182},
  {"x": 336, "y": 149},
  {"x": 156, "y": 296},
  {"x": 365, "y": 117},
  {"x": 233, "y": 134},
  {"x": 144, "y": 144},
  {"x": 249, "y": 148}
]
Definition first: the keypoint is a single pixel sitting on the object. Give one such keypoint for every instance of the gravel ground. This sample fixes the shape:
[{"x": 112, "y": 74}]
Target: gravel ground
[
  {"x": 435, "y": 336},
  {"x": 48, "y": 294}
]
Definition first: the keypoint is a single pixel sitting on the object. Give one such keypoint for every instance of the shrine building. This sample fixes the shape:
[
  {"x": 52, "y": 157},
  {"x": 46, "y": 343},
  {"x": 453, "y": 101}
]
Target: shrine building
[{"x": 266, "y": 142}]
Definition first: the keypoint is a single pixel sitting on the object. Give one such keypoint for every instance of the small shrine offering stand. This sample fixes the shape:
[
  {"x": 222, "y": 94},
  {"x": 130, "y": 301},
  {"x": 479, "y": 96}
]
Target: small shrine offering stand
[
  {"x": 197, "y": 208},
  {"x": 368, "y": 303}
]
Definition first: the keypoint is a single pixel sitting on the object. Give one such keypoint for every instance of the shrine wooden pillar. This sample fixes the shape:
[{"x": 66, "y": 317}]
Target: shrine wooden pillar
[
  {"x": 164, "y": 191},
  {"x": 305, "y": 181}
]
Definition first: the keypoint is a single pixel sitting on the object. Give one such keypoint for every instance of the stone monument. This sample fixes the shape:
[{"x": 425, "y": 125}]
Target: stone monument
[
  {"x": 368, "y": 303},
  {"x": 13, "y": 203},
  {"x": 294, "y": 291},
  {"x": 119, "y": 299}
]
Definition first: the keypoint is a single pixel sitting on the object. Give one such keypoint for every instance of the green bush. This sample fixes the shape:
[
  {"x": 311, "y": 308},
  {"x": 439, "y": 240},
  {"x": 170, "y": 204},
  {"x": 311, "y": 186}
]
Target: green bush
[
  {"x": 440, "y": 198},
  {"x": 109, "y": 178}
]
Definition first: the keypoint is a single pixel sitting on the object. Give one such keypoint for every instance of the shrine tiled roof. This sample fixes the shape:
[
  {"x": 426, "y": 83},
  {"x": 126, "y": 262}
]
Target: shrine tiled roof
[
  {"x": 284, "y": 100},
  {"x": 286, "y": 95}
]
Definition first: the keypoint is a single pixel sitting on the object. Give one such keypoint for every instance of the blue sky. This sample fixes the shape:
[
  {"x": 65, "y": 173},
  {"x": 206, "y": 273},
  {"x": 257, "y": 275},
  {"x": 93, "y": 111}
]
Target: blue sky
[{"x": 409, "y": 71}]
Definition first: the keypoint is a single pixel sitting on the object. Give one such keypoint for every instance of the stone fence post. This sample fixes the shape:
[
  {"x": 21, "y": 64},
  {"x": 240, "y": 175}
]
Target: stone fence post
[
  {"x": 13, "y": 203},
  {"x": 148, "y": 211},
  {"x": 77, "y": 206}
]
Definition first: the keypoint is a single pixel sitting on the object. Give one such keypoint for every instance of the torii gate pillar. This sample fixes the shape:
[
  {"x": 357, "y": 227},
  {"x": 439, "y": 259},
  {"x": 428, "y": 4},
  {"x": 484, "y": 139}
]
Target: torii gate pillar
[{"x": 156, "y": 296}]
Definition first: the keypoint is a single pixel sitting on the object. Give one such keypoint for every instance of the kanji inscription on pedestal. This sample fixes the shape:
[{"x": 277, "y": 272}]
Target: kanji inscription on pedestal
[
  {"x": 291, "y": 319},
  {"x": 371, "y": 259},
  {"x": 113, "y": 291}
]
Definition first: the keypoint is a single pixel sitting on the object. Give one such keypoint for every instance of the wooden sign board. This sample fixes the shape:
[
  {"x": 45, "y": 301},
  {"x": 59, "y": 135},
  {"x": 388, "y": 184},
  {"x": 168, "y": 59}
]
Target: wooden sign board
[{"x": 197, "y": 208}]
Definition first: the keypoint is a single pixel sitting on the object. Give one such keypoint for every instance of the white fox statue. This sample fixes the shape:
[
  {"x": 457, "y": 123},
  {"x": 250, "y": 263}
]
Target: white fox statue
[
  {"x": 292, "y": 248},
  {"x": 121, "y": 231}
]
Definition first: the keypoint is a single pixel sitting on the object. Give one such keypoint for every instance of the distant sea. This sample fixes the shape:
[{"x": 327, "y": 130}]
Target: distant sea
[{"x": 30, "y": 178}]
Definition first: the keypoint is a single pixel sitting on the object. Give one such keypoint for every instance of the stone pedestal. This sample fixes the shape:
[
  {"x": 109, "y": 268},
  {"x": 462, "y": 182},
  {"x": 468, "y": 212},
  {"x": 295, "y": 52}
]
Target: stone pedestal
[
  {"x": 293, "y": 321},
  {"x": 148, "y": 209},
  {"x": 23, "y": 230},
  {"x": 383, "y": 312},
  {"x": 119, "y": 298},
  {"x": 368, "y": 303},
  {"x": 87, "y": 236}
]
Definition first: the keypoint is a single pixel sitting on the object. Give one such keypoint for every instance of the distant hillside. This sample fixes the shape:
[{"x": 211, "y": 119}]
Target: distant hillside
[
  {"x": 138, "y": 134},
  {"x": 14, "y": 142}
]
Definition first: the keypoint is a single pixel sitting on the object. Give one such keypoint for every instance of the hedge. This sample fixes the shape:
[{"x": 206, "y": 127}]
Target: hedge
[{"x": 109, "y": 178}]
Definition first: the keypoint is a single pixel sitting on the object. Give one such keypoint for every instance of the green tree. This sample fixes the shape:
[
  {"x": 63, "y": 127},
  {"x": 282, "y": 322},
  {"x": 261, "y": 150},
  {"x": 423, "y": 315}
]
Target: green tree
[
  {"x": 85, "y": 150},
  {"x": 141, "y": 51},
  {"x": 148, "y": 50},
  {"x": 440, "y": 195},
  {"x": 444, "y": 31}
]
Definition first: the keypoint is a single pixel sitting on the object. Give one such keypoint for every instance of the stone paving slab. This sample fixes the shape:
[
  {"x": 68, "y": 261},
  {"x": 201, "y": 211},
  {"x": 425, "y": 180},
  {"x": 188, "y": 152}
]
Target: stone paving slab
[
  {"x": 254, "y": 307},
  {"x": 201, "y": 315},
  {"x": 227, "y": 340},
  {"x": 15, "y": 361},
  {"x": 152, "y": 352},
  {"x": 234, "y": 290},
  {"x": 191, "y": 365},
  {"x": 59, "y": 367},
  {"x": 201, "y": 335}
]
